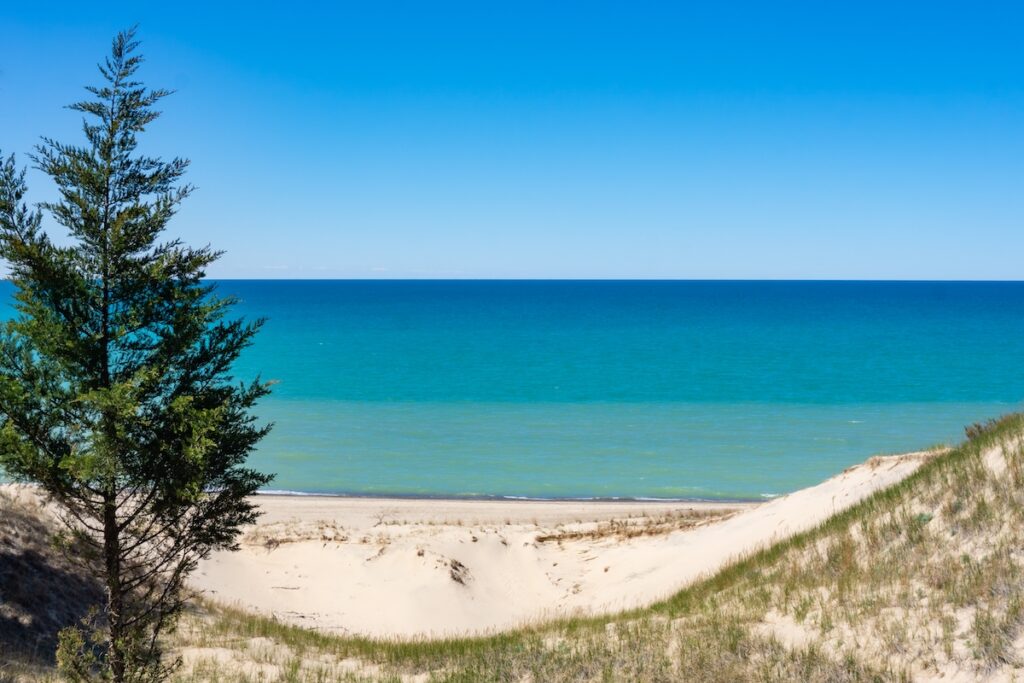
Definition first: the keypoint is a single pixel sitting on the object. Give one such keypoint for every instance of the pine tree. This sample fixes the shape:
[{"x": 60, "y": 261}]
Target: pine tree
[{"x": 115, "y": 392}]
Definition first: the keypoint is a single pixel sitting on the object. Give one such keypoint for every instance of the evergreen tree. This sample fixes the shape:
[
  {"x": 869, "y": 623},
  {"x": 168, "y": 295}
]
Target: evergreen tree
[{"x": 115, "y": 393}]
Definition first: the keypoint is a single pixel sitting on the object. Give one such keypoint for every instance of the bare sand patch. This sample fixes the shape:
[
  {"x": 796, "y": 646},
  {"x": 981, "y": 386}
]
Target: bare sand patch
[{"x": 387, "y": 567}]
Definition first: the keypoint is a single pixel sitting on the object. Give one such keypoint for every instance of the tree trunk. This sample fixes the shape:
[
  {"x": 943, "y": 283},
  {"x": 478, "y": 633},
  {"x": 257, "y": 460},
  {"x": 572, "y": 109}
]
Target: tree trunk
[{"x": 115, "y": 599}]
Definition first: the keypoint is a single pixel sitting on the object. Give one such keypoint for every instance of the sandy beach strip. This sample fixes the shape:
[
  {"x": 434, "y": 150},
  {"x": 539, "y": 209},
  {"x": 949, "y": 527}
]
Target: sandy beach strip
[{"x": 421, "y": 568}]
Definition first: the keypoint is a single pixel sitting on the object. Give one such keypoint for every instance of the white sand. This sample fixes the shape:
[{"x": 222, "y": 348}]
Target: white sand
[{"x": 385, "y": 567}]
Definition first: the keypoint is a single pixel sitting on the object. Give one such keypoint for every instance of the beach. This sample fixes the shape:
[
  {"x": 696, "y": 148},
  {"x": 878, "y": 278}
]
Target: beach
[{"x": 417, "y": 568}]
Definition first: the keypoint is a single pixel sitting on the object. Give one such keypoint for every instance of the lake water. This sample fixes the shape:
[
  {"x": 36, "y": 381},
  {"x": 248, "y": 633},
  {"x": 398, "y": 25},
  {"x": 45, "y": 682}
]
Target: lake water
[{"x": 618, "y": 389}]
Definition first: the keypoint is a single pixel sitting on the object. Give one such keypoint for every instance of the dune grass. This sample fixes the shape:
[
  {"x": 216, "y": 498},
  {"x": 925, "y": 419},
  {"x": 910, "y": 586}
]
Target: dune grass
[{"x": 921, "y": 580}]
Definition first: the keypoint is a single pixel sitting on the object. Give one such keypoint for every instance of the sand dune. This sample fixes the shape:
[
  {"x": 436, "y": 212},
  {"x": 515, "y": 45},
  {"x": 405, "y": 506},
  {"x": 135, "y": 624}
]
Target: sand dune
[{"x": 428, "y": 568}]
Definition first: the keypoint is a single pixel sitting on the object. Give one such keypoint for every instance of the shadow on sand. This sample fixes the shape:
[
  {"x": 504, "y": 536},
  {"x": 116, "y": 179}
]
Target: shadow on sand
[{"x": 41, "y": 592}]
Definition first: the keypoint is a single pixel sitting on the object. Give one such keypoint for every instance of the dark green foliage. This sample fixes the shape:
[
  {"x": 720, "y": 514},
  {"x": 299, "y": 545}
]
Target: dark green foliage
[
  {"x": 115, "y": 395},
  {"x": 977, "y": 429}
]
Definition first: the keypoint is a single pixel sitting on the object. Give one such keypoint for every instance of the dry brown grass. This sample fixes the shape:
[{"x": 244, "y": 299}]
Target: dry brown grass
[
  {"x": 271, "y": 536},
  {"x": 634, "y": 527}
]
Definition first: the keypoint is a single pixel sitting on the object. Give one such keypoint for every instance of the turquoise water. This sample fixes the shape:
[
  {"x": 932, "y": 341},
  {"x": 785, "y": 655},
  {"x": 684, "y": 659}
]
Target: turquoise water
[{"x": 619, "y": 389}]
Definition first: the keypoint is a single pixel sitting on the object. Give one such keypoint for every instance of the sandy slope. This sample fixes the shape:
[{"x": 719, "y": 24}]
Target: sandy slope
[{"x": 411, "y": 567}]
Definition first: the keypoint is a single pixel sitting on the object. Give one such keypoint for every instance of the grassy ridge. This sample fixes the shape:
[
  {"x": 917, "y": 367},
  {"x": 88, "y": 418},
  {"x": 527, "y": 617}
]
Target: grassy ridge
[{"x": 921, "y": 579}]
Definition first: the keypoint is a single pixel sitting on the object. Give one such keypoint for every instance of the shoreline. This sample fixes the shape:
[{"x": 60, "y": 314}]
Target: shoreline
[
  {"x": 483, "y": 498},
  {"x": 409, "y": 515},
  {"x": 486, "y": 497}
]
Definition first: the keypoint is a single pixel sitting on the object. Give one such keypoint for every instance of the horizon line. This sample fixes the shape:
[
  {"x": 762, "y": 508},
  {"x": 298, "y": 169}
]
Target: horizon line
[
  {"x": 7, "y": 278},
  {"x": 604, "y": 279}
]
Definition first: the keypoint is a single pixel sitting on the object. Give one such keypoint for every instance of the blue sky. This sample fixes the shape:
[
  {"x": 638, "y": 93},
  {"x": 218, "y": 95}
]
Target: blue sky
[{"x": 589, "y": 140}]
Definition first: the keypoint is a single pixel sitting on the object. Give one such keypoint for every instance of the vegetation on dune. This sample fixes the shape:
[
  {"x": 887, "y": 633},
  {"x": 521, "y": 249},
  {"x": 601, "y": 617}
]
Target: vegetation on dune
[
  {"x": 924, "y": 579},
  {"x": 115, "y": 395}
]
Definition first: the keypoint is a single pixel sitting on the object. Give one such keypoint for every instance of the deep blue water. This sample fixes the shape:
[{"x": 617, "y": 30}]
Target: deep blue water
[{"x": 632, "y": 389}]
